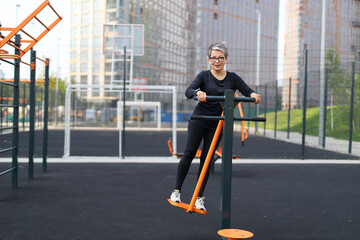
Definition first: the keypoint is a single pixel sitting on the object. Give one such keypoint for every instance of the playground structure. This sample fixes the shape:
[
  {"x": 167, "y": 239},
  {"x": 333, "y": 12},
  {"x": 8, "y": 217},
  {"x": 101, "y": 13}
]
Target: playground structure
[
  {"x": 226, "y": 121},
  {"x": 21, "y": 46}
]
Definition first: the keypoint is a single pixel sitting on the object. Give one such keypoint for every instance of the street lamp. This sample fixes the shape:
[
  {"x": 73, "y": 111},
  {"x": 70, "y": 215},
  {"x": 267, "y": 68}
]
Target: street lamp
[
  {"x": 16, "y": 14},
  {"x": 57, "y": 83}
]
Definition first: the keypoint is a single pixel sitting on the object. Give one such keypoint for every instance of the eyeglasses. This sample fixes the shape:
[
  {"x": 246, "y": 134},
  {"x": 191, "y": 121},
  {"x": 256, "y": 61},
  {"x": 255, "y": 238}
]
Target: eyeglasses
[{"x": 220, "y": 59}]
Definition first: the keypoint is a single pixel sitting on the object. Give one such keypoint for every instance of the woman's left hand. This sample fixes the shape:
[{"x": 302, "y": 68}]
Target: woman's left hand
[{"x": 257, "y": 97}]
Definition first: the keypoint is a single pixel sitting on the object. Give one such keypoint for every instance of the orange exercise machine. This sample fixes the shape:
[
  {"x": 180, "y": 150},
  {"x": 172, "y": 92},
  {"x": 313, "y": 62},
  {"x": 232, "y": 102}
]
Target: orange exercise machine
[
  {"x": 218, "y": 153},
  {"x": 226, "y": 120}
]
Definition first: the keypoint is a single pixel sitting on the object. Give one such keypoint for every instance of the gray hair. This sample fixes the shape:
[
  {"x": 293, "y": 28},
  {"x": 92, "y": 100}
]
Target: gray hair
[{"x": 221, "y": 46}]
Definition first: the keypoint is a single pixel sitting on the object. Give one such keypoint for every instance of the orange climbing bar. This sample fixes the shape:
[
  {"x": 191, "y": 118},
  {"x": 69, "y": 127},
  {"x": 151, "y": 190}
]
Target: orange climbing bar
[
  {"x": 34, "y": 40},
  {"x": 22, "y": 81}
]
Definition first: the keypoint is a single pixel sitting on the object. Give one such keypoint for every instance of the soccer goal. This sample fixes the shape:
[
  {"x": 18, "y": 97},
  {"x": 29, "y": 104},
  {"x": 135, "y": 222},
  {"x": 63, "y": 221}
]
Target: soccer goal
[{"x": 100, "y": 108}]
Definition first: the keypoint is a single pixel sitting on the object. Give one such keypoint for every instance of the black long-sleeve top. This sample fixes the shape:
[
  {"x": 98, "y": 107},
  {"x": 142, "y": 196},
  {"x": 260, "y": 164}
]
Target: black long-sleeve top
[{"x": 207, "y": 83}]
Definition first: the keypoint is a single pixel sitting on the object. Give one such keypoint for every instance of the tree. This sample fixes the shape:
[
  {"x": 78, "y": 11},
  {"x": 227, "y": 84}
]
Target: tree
[
  {"x": 339, "y": 80},
  {"x": 62, "y": 85}
]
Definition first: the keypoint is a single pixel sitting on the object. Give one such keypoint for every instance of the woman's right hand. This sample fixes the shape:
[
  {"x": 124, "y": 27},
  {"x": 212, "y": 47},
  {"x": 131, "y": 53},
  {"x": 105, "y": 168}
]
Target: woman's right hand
[{"x": 201, "y": 96}]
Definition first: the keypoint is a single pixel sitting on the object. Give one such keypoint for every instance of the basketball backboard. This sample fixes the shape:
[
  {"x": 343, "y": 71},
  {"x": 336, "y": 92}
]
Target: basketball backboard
[{"x": 116, "y": 36}]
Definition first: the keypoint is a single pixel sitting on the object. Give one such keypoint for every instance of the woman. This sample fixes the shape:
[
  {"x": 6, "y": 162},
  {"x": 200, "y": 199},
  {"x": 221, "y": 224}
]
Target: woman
[{"x": 212, "y": 82}]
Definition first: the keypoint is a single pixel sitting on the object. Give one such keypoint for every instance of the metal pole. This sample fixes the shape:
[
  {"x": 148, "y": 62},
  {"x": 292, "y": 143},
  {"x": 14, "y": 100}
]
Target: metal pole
[
  {"x": 57, "y": 84},
  {"x": 15, "y": 143},
  {"x": 46, "y": 112},
  {"x": 322, "y": 73},
  {"x": 289, "y": 109},
  {"x": 276, "y": 107},
  {"x": 124, "y": 108},
  {"x": 258, "y": 63},
  {"x": 325, "y": 107},
  {"x": 23, "y": 110},
  {"x": 174, "y": 118},
  {"x": 226, "y": 165},
  {"x": 351, "y": 106},
  {"x": 67, "y": 122},
  {"x": 32, "y": 115},
  {"x": 265, "y": 108},
  {"x": 304, "y": 107}
]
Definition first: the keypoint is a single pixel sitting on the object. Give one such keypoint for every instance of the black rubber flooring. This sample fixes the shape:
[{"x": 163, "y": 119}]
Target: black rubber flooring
[
  {"x": 154, "y": 143},
  {"x": 128, "y": 201}
]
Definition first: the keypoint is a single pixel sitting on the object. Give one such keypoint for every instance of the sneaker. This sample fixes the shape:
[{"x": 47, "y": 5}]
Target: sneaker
[
  {"x": 199, "y": 204},
  {"x": 175, "y": 196}
]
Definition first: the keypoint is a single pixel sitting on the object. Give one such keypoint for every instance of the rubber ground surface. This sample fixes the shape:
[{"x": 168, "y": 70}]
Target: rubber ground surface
[{"x": 129, "y": 201}]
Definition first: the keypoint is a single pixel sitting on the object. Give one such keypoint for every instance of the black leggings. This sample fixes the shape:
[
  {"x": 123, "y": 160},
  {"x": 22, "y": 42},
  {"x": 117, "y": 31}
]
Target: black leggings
[{"x": 196, "y": 133}]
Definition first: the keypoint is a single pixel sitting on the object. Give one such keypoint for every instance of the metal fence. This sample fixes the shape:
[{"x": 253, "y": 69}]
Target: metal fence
[{"x": 289, "y": 117}]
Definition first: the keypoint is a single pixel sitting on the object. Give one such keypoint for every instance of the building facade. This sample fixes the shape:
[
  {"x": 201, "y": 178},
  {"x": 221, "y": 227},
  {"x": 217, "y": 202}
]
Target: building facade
[
  {"x": 177, "y": 34},
  {"x": 303, "y": 29}
]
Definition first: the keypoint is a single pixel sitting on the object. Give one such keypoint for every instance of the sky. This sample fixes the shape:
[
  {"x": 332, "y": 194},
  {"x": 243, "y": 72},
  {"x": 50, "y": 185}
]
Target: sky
[{"x": 56, "y": 44}]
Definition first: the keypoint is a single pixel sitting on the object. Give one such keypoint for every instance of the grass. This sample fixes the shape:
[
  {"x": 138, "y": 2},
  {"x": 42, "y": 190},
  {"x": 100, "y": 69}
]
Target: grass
[{"x": 340, "y": 118}]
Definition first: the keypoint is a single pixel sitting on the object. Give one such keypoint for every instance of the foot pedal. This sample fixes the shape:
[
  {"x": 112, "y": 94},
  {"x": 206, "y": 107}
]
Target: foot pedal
[{"x": 186, "y": 207}]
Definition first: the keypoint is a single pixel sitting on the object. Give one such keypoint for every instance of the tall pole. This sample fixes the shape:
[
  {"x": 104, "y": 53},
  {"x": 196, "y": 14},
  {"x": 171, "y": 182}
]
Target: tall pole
[
  {"x": 32, "y": 115},
  {"x": 46, "y": 114},
  {"x": 322, "y": 74},
  {"x": 57, "y": 84},
  {"x": 226, "y": 165},
  {"x": 258, "y": 62},
  {"x": 304, "y": 107},
  {"x": 351, "y": 107},
  {"x": 124, "y": 108},
  {"x": 289, "y": 109}
]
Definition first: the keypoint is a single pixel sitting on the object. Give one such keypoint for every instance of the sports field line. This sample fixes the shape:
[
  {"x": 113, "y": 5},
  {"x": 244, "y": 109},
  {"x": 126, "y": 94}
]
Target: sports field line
[{"x": 176, "y": 160}]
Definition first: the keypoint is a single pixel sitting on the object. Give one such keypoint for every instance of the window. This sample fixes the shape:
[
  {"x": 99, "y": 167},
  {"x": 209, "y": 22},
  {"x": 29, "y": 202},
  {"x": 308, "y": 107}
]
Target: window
[
  {"x": 84, "y": 55},
  {"x": 97, "y": 17},
  {"x": 84, "y": 43},
  {"x": 216, "y": 2},
  {"x": 83, "y": 80},
  {"x": 73, "y": 67},
  {"x": 84, "y": 67},
  {"x": 85, "y": 19},
  {"x": 97, "y": 4},
  {"x": 96, "y": 80},
  {"x": 73, "y": 54},
  {"x": 84, "y": 31},
  {"x": 85, "y": 6},
  {"x": 96, "y": 68},
  {"x": 215, "y": 16},
  {"x": 97, "y": 29},
  {"x": 96, "y": 54},
  {"x": 96, "y": 42}
]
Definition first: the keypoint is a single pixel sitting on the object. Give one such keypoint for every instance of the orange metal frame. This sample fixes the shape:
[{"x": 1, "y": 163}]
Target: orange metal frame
[
  {"x": 190, "y": 207},
  {"x": 244, "y": 135},
  {"x": 22, "y": 81},
  {"x": 33, "y": 40}
]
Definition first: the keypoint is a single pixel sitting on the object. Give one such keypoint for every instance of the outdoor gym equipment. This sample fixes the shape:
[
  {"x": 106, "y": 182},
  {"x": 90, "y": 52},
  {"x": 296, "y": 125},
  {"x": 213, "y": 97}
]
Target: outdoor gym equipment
[
  {"x": 218, "y": 153},
  {"x": 227, "y": 119},
  {"x": 21, "y": 47}
]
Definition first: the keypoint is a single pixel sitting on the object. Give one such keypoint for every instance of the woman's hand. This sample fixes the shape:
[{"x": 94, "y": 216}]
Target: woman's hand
[
  {"x": 201, "y": 96},
  {"x": 257, "y": 97}
]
